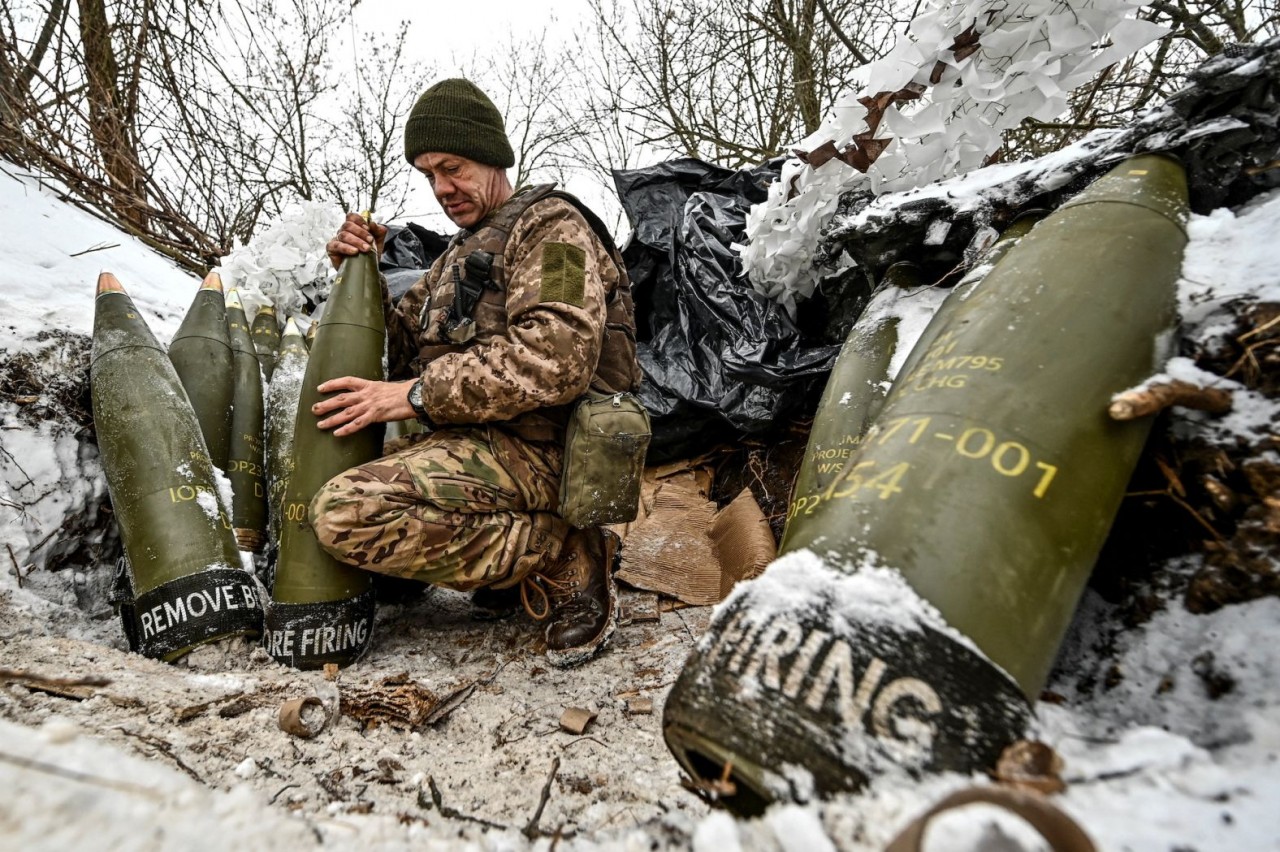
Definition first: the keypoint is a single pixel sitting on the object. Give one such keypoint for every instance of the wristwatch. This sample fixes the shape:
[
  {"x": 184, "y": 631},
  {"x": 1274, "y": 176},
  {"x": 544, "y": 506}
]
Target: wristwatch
[{"x": 415, "y": 402}]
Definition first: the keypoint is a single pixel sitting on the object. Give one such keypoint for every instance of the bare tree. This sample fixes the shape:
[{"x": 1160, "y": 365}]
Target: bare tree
[
  {"x": 532, "y": 78},
  {"x": 188, "y": 122},
  {"x": 734, "y": 85},
  {"x": 1201, "y": 29}
]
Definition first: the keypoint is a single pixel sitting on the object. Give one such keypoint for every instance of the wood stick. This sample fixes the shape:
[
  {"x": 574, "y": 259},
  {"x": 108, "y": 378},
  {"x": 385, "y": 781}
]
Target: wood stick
[
  {"x": 1153, "y": 399},
  {"x": 531, "y": 830}
]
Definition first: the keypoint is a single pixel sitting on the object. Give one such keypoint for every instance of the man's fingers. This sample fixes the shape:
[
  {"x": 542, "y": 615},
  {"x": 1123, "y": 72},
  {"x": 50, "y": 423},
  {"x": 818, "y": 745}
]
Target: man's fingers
[
  {"x": 342, "y": 383},
  {"x": 358, "y": 237},
  {"x": 346, "y": 415},
  {"x": 350, "y": 428},
  {"x": 355, "y": 235}
]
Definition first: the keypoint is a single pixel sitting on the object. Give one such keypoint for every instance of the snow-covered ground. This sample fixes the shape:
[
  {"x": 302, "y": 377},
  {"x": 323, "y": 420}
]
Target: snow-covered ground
[{"x": 125, "y": 752}]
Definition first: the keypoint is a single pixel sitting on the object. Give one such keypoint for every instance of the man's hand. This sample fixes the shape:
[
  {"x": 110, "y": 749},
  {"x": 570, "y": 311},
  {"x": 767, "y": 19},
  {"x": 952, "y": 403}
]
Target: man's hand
[
  {"x": 355, "y": 235},
  {"x": 360, "y": 402}
]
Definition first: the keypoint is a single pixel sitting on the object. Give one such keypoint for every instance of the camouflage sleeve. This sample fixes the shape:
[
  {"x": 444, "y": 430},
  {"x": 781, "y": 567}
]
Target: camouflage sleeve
[{"x": 555, "y": 304}]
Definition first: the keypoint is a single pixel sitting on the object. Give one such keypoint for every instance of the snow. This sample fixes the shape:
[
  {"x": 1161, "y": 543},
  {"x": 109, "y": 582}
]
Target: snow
[
  {"x": 1231, "y": 256},
  {"x": 56, "y": 254},
  {"x": 1152, "y": 760},
  {"x": 860, "y": 594}
]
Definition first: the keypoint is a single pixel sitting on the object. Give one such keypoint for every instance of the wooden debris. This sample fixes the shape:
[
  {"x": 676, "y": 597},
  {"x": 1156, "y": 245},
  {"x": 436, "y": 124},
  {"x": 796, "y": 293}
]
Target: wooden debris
[
  {"x": 399, "y": 702},
  {"x": 641, "y": 608},
  {"x": 74, "y": 688},
  {"x": 639, "y": 706},
  {"x": 295, "y": 719},
  {"x": 165, "y": 748},
  {"x": 576, "y": 719},
  {"x": 713, "y": 789},
  {"x": 1153, "y": 399},
  {"x": 531, "y": 830},
  {"x": 1223, "y": 497},
  {"x": 437, "y": 800},
  {"x": 331, "y": 671},
  {"x": 236, "y": 707},
  {"x": 451, "y": 702},
  {"x": 396, "y": 702},
  {"x": 233, "y": 705},
  {"x": 1032, "y": 766}
]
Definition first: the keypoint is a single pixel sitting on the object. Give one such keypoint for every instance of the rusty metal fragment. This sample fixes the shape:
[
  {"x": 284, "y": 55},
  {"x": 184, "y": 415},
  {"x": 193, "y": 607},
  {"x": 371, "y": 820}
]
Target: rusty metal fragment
[{"x": 303, "y": 717}]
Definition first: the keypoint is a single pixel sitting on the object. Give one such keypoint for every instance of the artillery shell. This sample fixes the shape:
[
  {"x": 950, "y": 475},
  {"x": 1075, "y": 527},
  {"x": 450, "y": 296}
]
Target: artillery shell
[
  {"x": 244, "y": 469},
  {"x": 265, "y": 332},
  {"x": 184, "y": 568},
  {"x": 201, "y": 353},
  {"x": 983, "y": 490},
  {"x": 856, "y": 389},
  {"x": 282, "y": 413},
  {"x": 322, "y": 610}
]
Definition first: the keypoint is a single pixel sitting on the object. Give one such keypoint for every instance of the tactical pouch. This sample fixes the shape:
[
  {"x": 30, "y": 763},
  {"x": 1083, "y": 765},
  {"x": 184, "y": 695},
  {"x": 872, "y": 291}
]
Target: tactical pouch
[{"x": 605, "y": 446}]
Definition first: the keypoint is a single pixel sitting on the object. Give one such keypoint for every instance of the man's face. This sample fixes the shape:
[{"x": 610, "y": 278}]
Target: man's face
[{"x": 467, "y": 191}]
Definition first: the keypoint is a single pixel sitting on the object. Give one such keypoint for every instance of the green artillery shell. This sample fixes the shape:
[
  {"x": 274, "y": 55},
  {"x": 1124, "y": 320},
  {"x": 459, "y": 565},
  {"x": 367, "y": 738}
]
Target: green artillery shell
[
  {"x": 987, "y": 485},
  {"x": 265, "y": 332},
  {"x": 185, "y": 569},
  {"x": 322, "y": 609},
  {"x": 965, "y": 286},
  {"x": 201, "y": 353},
  {"x": 855, "y": 391},
  {"x": 248, "y": 486},
  {"x": 309, "y": 336},
  {"x": 282, "y": 412}
]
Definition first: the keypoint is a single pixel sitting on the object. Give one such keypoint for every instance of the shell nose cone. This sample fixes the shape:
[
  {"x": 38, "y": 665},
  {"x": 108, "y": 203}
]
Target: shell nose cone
[
  {"x": 212, "y": 281},
  {"x": 108, "y": 283},
  {"x": 291, "y": 328}
]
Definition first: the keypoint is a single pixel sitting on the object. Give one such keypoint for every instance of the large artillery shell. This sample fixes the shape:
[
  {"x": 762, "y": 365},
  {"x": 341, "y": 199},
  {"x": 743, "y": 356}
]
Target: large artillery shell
[
  {"x": 856, "y": 389},
  {"x": 964, "y": 288},
  {"x": 265, "y": 332},
  {"x": 201, "y": 353},
  {"x": 322, "y": 610},
  {"x": 282, "y": 413},
  {"x": 185, "y": 570},
  {"x": 245, "y": 467},
  {"x": 987, "y": 484}
]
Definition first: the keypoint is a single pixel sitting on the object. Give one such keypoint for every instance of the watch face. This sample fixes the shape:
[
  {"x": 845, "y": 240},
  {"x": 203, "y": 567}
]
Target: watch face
[{"x": 415, "y": 396}]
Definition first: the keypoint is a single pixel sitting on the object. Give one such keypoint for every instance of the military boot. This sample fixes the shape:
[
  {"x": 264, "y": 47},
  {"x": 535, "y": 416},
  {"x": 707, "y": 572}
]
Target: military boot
[{"x": 578, "y": 597}]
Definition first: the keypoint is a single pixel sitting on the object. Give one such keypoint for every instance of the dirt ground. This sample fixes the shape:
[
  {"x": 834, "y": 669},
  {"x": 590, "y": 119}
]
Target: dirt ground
[{"x": 495, "y": 752}]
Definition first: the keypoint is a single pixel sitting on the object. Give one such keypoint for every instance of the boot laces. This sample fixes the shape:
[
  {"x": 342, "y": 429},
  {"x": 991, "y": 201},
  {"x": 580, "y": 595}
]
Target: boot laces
[{"x": 535, "y": 585}]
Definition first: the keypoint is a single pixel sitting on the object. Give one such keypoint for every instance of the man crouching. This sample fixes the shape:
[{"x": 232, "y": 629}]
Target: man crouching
[{"x": 528, "y": 307}]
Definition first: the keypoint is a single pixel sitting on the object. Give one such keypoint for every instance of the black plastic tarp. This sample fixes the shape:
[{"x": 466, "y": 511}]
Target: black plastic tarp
[
  {"x": 407, "y": 254},
  {"x": 714, "y": 351}
]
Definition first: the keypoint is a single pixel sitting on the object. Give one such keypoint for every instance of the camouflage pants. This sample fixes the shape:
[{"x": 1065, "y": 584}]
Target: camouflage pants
[{"x": 462, "y": 508}]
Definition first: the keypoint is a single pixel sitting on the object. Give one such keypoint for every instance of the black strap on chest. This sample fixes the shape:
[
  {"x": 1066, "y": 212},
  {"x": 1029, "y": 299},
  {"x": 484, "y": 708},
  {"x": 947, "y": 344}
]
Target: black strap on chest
[
  {"x": 478, "y": 264},
  {"x": 476, "y": 278}
]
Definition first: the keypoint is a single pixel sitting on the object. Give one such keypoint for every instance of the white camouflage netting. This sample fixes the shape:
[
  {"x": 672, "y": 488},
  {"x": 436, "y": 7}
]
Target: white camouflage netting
[
  {"x": 286, "y": 260},
  {"x": 1029, "y": 56}
]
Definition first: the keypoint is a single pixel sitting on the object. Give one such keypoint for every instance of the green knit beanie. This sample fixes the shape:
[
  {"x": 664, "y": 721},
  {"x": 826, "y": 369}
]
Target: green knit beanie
[{"x": 455, "y": 117}]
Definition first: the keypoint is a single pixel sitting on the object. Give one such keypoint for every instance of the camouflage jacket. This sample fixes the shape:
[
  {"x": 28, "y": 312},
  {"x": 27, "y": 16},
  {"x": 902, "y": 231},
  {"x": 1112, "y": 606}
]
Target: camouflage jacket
[{"x": 538, "y": 333}]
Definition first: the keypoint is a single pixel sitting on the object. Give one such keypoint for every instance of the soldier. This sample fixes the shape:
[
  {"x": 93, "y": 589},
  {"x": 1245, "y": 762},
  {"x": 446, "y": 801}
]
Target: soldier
[{"x": 528, "y": 308}]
